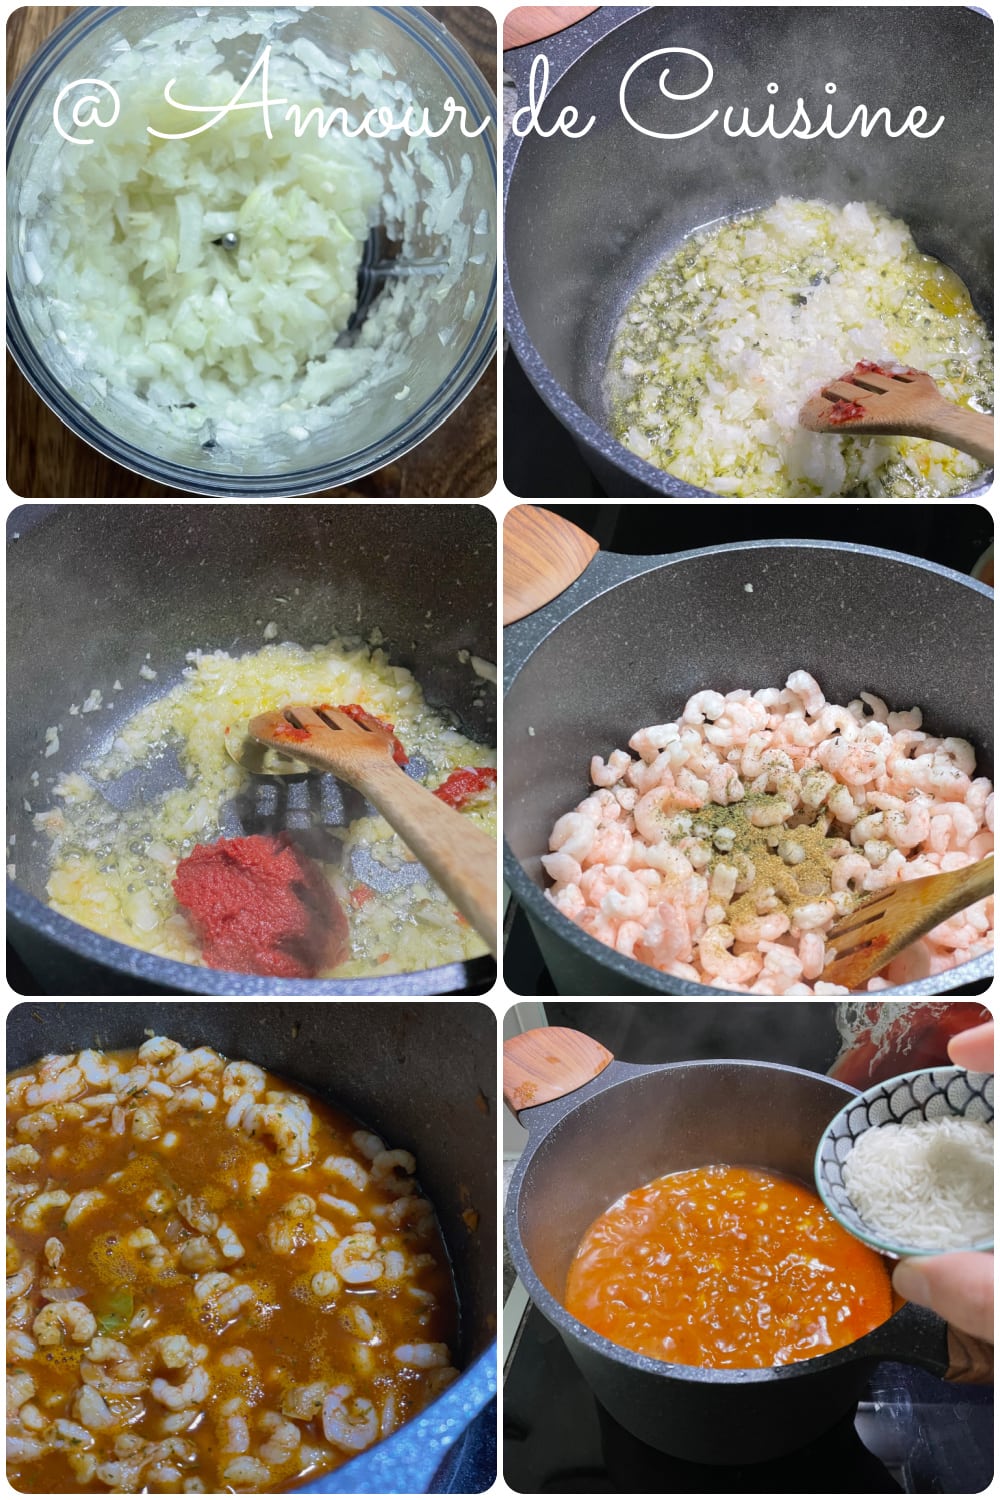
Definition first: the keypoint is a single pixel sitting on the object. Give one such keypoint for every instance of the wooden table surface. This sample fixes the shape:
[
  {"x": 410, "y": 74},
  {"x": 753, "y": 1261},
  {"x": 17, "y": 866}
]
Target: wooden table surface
[{"x": 47, "y": 461}]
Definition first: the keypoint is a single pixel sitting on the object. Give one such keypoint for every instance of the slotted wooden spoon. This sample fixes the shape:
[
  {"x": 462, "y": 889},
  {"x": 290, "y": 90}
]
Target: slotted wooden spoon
[
  {"x": 871, "y": 935},
  {"x": 460, "y": 856},
  {"x": 906, "y": 403}
]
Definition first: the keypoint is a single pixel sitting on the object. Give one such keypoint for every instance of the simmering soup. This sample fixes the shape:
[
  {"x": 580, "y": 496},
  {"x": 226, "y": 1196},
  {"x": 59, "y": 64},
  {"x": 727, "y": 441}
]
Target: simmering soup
[
  {"x": 215, "y": 1284},
  {"x": 727, "y": 1267}
]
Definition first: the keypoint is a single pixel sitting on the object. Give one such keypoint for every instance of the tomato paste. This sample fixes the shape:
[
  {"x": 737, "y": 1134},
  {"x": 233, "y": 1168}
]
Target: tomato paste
[
  {"x": 869, "y": 367},
  {"x": 461, "y": 786},
  {"x": 362, "y": 716},
  {"x": 261, "y": 906},
  {"x": 845, "y": 411}
]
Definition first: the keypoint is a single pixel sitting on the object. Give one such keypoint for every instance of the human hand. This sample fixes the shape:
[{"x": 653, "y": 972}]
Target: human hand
[
  {"x": 973, "y": 1049},
  {"x": 958, "y": 1287}
]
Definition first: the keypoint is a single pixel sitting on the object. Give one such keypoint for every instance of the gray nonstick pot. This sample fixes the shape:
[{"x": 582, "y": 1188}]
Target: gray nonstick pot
[
  {"x": 586, "y": 220},
  {"x": 93, "y": 589},
  {"x": 382, "y": 1062},
  {"x": 628, "y": 1125},
  {"x": 634, "y": 637}
]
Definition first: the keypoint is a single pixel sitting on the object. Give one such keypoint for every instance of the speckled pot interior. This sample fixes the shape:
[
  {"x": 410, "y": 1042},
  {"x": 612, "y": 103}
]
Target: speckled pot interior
[
  {"x": 95, "y": 590},
  {"x": 382, "y": 1063},
  {"x": 635, "y": 637},
  {"x": 588, "y": 219}
]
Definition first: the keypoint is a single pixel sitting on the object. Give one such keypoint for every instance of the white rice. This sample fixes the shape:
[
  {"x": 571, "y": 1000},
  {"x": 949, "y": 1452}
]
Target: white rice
[{"x": 925, "y": 1184}]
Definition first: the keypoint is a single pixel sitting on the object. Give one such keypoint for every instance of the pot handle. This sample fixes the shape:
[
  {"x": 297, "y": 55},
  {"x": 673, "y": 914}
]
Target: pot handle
[
  {"x": 917, "y": 1336},
  {"x": 533, "y": 23},
  {"x": 970, "y": 1361},
  {"x": 548, "y": 1063},
  {"x": 542, "y": 555},
  {"x": 564, "y": 43}
]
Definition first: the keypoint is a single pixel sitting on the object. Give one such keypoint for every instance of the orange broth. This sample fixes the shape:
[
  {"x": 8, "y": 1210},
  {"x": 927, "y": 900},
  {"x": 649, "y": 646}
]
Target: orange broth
[
  {"x": 294, "y": 1338},
  {"x": 728, "y": 1267}
]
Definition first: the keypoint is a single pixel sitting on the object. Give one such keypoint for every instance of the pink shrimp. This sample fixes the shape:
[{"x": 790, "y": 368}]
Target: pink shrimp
[
  {"x": 909, "y": 828},
  {"x": 667, "y": 936},
  {"x": 629, "y": 933},
  {"x": 812, "y": 954},
  {"x": 607, "y": 775},
  {"x": 653, "y": 740},
  {"x": 718, "y": 963},
  {"x": 626, "y": 898},
  {"x": 568, "y": 899},
  {"x": 654, "y": 807},
  {"x": 809, "y": 690},
  {"x": 659, "y": 772},
  {"x": 850, "y": 873},
  {"x": 832, "y": 721},
  {"x": 854, "y": 761},
  {"x": 762, "y": 929},
  {"x": 783, "y": 963},
  {"x": 562, "y": 868},
  {"x": 573, "y": 835},
  {"x": 611, "y": 846},
  {"x": 597, "y": 924},
  {"x": 702, "y": 706}
]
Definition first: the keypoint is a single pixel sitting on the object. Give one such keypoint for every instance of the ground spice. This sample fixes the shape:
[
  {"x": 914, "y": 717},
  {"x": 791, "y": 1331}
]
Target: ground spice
[{"x": 794, "y": 884}]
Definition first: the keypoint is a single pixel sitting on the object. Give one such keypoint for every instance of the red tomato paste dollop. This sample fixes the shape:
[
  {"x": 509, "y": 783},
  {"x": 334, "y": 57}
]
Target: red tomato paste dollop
[
  {"x": 462, "y": 785},
  {"x": 261, "y": 906}
]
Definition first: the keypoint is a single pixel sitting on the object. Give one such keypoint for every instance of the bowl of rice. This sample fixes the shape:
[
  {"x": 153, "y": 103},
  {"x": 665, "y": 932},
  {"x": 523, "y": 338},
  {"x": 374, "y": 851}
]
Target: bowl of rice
[
  {"x": 282, "y": 300},
  {"x": 682, "y": 276},
  {"x": 907, "y": 1166}
]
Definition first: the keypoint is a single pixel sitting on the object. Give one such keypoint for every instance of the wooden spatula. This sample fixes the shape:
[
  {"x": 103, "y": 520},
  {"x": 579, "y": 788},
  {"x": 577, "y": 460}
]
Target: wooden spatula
[
  {"x": 460, "y": 856},
  {"x": 871, "y": 935},
  {"x": 872, "y": 401},
  {"x": 542, "y": 555}
]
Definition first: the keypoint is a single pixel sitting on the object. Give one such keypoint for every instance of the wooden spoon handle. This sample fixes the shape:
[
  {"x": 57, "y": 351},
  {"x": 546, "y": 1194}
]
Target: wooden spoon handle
[
  {"x": 965, "y": 887},
  {"x": 542, "y": 555},
  {"x": 460, "y": 856},
  {"x": 547, "y": 1063},
  {"x": 959, "y": 427}
]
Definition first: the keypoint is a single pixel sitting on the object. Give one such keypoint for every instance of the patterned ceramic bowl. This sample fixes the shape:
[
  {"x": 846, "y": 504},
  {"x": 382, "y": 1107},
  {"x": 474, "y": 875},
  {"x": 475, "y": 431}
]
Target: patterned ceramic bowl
[{"x": 930, "y": 1094}]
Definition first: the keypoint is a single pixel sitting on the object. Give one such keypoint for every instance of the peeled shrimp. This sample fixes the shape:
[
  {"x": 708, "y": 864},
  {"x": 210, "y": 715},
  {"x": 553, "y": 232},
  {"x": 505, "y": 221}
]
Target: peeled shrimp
[
  {"x": 610, "y": 774},
  {"x": 809, "y": 690},
  {"x": 702, "y": 706},
  {"x": 74, "y": 1319},
  {"x": 718, "y": 963},
  {"x": 349, "y": 1422}
]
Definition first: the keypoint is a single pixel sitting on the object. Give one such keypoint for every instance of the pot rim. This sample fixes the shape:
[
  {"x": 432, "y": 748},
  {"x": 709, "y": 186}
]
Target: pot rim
[
  {"x": 533, "y": 898},
  {"x": 195, "y": 979},
  {"x": 546, "y": 386},
  {"x": 568, "y": 1325}
]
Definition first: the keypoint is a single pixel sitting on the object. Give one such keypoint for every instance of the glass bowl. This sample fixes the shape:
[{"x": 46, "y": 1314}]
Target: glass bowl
[
  {"x": 925, "y": 1094},
  {"x": 444, "y": 351}
]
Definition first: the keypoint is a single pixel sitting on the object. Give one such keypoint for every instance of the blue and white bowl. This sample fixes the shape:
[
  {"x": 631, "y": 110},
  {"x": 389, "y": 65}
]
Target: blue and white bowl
[{"x": 928, "y": 1094}]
